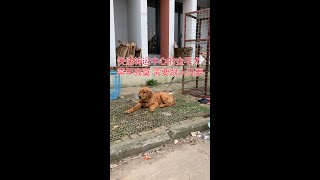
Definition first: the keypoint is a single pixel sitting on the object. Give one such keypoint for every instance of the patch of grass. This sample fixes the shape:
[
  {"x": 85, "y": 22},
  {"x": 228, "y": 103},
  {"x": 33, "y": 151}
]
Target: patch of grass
[{"x": 152, "y": 82}]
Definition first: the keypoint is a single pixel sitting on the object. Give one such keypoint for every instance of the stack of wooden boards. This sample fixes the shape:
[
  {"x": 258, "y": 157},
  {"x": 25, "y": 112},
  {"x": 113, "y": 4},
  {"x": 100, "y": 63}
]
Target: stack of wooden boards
[{"x": 126, "y": 49}]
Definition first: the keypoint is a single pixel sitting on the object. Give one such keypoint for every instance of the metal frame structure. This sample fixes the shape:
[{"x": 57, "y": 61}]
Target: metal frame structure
[{"x": 197, "y": 35}]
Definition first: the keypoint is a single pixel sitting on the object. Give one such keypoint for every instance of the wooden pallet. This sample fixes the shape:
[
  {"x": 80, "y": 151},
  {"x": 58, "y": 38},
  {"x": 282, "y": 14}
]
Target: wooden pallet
[
  {"x": 138, "y": 53},
  {"x": 122, "y": 49},
  {"x": 128, "y": 50},
  {"x": 132, "y": 49}
]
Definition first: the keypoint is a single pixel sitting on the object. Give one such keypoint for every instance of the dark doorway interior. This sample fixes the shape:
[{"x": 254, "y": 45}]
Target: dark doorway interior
[{"x": 178, "y": 23}]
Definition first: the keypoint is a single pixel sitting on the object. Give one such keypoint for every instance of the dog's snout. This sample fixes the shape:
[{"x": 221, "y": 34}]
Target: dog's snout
[{"x": 139, "y": 97}]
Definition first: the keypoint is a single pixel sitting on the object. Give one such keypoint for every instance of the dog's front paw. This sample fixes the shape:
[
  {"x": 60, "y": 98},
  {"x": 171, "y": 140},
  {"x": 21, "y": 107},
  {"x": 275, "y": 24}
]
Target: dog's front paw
[
  {"x": 161, "y": 105},
  {"x": 127, "y": 112}
]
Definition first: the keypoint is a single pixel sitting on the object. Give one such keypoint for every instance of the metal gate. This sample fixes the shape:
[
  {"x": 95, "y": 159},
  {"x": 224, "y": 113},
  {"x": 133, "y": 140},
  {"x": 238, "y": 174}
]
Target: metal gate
[{"x": 197, "y": 36}]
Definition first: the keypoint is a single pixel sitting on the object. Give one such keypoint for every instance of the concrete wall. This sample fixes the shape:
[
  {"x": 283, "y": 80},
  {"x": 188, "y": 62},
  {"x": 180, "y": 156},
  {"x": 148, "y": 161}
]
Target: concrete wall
[
  {"x": 137, "y": 24},
  {"x": 120, "y": 20},
  {"x": 131, "y": 80},
  {"x": 112, "y": 37}
]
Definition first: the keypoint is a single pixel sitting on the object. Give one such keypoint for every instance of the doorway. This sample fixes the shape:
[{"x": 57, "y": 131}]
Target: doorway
[{"x": 178, "y": 21}]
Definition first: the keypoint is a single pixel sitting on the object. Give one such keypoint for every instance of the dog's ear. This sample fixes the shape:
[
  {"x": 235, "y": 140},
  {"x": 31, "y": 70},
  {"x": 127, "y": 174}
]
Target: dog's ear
[{"x": 149, "y": 94}]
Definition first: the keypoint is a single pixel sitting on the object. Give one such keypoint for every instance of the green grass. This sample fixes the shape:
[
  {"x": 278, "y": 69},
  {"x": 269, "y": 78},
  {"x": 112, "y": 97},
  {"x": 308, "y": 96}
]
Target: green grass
[{"x": 152, "y": 82}]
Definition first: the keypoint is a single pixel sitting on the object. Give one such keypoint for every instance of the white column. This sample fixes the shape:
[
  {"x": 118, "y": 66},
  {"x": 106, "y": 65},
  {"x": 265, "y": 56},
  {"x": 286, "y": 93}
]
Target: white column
[
  {"x": 137, "y": 24},
  {"x": 112, "y": 37},
  {"x": 188, "y": 6},
  {"x": 144, "y": 27},
  {"x": 171, "y": 27}
]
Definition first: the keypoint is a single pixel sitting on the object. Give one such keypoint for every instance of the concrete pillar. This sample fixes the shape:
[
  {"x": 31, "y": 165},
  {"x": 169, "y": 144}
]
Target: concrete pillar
[
  {"x": 167, "y": 10},
  {"x": 144, "y": 27},
  {"x": 137, "y": 24},
  {"x": 171, "y": 27},
  {"x": 164, "y": 28},
  {"x": 120, "y": 20},
  {"x": 189, "y": 6},
  {"x": 112, "y": 37}
]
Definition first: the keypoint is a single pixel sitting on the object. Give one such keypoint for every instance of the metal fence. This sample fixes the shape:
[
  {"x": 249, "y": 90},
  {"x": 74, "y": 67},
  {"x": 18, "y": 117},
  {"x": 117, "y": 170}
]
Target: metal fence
[{"x": 197, "y": 36}]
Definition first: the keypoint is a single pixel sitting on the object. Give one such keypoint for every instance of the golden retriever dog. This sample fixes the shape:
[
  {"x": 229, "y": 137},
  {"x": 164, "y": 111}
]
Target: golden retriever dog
[{"x": 151, "y": 100}]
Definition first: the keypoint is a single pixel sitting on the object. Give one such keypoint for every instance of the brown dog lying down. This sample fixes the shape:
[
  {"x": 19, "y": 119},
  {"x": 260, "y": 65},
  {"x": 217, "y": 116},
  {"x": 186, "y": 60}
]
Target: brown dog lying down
[{"x": 151, "y": 100}]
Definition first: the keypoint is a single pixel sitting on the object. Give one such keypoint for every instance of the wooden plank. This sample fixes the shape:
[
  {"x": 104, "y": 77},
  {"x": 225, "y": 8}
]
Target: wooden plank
[
  {"x": 124, "y": 50},
  {"x": 133, "y": 49},
  {"x": 128, "y": 50}
]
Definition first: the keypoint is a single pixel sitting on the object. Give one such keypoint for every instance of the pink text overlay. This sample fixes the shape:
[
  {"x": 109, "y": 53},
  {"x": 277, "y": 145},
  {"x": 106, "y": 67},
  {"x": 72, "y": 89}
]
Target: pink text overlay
[
  {"x": 130, "y": 61},
  {"x": 160, "y": 71}
]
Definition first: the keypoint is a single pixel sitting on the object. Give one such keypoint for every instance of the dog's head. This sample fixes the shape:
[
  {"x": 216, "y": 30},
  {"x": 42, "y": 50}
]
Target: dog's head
[{"x": 145, "y": 93}]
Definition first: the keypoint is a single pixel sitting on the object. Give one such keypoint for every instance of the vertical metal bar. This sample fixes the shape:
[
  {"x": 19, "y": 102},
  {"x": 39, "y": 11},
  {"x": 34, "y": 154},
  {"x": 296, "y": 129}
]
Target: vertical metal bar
[
  {"x": 158, "y": 24},
  {"x": 179, "y": 29},
  {"x": 198, "y": 31},
  {"x": 184, "y": 45},
  {"x": 208, "y": 58}
]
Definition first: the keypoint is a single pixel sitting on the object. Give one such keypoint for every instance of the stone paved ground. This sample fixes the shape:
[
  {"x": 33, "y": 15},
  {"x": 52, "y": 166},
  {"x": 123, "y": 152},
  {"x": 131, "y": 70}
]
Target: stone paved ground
[
  {"x": 129, "y": 98},
  {"x": 186, "y": 158},
  {"x": 122, "y": 124}
]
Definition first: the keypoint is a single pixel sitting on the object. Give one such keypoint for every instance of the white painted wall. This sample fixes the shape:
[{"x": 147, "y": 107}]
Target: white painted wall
[
  {"x": 137, "y": 24},
  {"x": 131, "y": 80},
  {"x": 121, "y": 20},
  {"x": 112, "y": 37}
]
